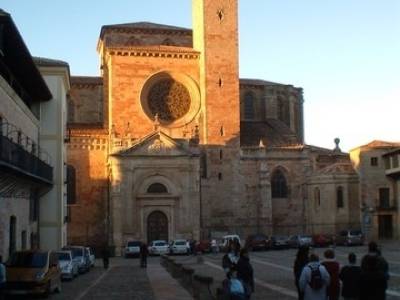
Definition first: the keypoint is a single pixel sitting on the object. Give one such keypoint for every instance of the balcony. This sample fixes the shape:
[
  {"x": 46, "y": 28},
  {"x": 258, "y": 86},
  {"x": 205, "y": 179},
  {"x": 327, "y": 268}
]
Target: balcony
[{"x": 20, "y": 156}]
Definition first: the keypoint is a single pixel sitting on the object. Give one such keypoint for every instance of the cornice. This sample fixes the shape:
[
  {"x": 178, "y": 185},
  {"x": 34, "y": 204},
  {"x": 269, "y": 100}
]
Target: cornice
[
  {"x": 151, "y": 31},
  {"x": 156, "y": 52}
]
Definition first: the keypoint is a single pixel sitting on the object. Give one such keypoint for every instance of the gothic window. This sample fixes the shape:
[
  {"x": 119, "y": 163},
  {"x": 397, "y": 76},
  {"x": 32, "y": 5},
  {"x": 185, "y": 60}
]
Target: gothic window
[
  {"x": 279, "y": 187},
  {"x": 317, "y": 198},
  {"x": 249, "y": 106},
  {"x": 339, "y": 197},
  {"x": 157, "y": 188}
]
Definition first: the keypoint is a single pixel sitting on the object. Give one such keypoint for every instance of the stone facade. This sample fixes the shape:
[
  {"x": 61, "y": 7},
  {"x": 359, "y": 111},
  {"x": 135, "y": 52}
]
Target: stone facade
[
  {"x": 378, "y": 190},
  {"x": 187, "y": 149}
]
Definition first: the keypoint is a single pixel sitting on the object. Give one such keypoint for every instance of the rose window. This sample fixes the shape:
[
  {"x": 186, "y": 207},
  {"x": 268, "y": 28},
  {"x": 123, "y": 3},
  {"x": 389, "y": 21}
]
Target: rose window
[{"x": 168, "y": 99}]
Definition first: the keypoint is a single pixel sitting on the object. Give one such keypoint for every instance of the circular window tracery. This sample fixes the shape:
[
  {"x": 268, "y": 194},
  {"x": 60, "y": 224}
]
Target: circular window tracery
[{"x": 169, "y": 100}]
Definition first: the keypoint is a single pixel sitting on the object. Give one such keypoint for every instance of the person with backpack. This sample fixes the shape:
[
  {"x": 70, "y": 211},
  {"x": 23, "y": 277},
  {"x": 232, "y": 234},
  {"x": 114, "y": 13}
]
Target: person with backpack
[
  {"x": 350, "y": 277},
  {"x": 245, "y": 272},
  {"x": 333, "y": 267},
  {"x": 314, "y": 280},
  {"x": 299, "y": 263},
  {"x": 374, "y": 274}
]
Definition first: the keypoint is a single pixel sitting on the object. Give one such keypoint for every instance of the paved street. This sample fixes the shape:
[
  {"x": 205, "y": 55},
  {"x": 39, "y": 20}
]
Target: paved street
[{"x": 273, "y": 273}]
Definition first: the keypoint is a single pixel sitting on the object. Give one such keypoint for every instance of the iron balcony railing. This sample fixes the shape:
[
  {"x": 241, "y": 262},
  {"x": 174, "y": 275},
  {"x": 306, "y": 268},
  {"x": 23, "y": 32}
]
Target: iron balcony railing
[{"x": 21, "y": 155}]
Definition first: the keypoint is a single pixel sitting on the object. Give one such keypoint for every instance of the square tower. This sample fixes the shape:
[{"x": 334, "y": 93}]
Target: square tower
[{"x": 215, "y": 36}]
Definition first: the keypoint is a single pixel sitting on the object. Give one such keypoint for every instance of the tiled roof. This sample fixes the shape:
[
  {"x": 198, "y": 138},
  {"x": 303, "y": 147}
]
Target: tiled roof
[
  {"x": 272, "y": 132},
  {"x": 379, "y": 144},
  {"x": 43, "y": 61},
  {"x": 250, "y": 81},
  {"x": 86, "y": 80}
]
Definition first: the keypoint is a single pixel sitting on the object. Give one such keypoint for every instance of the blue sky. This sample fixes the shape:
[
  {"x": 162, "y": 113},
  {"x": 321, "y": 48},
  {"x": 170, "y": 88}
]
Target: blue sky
[{"x": 344, "y": 53}]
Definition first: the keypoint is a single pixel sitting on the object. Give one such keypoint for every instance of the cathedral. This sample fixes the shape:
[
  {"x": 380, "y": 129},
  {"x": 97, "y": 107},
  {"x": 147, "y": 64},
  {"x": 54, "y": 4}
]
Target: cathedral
[{"x": 170, "y": 143}]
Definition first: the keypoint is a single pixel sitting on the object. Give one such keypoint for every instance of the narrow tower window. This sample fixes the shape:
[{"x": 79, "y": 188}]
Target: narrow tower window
[{"x": 220, "y": 14}]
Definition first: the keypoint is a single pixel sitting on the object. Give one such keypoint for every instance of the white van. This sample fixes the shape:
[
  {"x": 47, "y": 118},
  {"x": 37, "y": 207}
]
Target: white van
[{"x": 227, "y": 238}]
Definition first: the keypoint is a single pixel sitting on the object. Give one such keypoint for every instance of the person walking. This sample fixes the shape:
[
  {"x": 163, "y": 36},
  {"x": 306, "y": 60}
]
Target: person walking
[
  {"x": 299, "y": 263},
  {"x": 314, "y": 280},
  {"x": 3, "y": 278},
  {"x": 333, "y": 268},
  {"x": 374, "y": 274},
  {"x": 350, "y": 277},
  {"x": 231, "y": 257},
  {"x": 105, "y": 254},
  {"x": 245, "y": 272},
  {"x": 144, "y": 252}
]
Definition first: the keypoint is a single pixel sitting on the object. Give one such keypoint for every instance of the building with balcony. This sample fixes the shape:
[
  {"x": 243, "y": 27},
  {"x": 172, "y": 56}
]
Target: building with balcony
[
  {"x": 378, "y": 168},
  {"x": 26, "y": 172}
]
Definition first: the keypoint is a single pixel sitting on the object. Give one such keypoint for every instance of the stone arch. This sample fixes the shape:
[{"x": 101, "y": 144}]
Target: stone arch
[
  {"x": 172, "y": 188},
  {"x": 157, "y": 188},
  {"x": 279, "y": 183}
]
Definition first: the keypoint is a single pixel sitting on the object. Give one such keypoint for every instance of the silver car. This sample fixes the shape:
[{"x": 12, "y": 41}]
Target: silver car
[
  {"x": 158, "y": 247},
  {"x": 69, "y": 267},
  {"x": 79, "y": 256},
  {"x": 179, "y": 247}
]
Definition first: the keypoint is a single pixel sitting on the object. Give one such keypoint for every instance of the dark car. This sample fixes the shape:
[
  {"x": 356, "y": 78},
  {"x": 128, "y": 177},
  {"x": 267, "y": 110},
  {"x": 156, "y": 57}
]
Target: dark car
[
  {"x": 279, "y": 242},
  {"x": 296, "y": 241},
  {"x": 203, "y": 246},
  {"x": 258, "y": 242},
  {"x": 322, "y": 240}
]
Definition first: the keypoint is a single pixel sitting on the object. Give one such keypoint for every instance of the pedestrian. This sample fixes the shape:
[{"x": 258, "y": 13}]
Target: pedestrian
[
  {"x": 333, "y": 268},
  {"x": 2, "y": 278},
  {"x": 214, "y": 246},
  {"x": 245, "y": 272},
  {"x": 144, "y": 252},
  {"x": 314, "y": 280},
  {"x": 233, "y": 287},
  {"x": 105, "y": 253},
  {"x": 374, "y": 274},
  {"x": 193, "y": 247},
  {"x": 299, "y": 263},
  {"x": 231, "y": 257},
  {"x": 350, "y": 277}
]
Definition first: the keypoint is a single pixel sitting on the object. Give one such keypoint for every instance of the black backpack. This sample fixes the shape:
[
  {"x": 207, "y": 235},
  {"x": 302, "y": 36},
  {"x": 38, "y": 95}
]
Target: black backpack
[{"x": 316, "y": 281}]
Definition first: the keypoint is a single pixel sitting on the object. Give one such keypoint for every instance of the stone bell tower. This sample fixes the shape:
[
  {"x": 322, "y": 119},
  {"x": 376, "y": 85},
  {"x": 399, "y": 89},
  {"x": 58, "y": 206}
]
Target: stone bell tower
[{"x": 215, "y": 37}]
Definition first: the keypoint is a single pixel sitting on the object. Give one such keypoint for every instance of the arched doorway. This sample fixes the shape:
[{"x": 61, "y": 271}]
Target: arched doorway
[{"x": 157, "y": 226}]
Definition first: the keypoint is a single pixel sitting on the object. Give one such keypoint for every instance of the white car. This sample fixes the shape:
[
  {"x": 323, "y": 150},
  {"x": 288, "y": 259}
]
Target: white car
[
  {"x": 132, "y": 249},
  {"x": 179, "y": 247},
  {"x": 69, "y": 267},
  {"x": 158, "y": 247}
]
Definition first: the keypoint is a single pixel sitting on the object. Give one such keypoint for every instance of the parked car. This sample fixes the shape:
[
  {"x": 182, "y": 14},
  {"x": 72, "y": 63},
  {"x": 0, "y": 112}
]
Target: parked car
[
  {"x": 132, "y": 249},
  {"x": 33, "y": 272},
  {"x": 80, "y": 255},
  {"x": 258, "y": 242},
  {"x": 322, "y": 240},
  {"x": 227, "y": 239},
  {"x": 69, "y": 267},
  {"x": 296, "y": 241},
  {"x": 203, "y": 246},
  {"x": 92, "y": 258},
  {"x": 279, "y": 242},
  {"x": 179, "y": 247},
  {"x": 158, "y": 247},
  {"x": 349, "y": 238}
]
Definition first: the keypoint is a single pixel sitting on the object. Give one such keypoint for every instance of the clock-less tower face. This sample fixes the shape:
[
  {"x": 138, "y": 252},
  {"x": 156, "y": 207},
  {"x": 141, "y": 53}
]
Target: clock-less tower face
[{"x": 173, "y": 98}]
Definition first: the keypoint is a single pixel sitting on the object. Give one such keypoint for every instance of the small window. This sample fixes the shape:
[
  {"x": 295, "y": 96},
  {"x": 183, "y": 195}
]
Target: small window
[
  {"x": 157, "y": 188},
  {"x": 317, "y": 198},
  {"x": 374, "y": 161},
  {"x": 219, "y": 176},
  {"x": 221, "y": 155},
  {"x": 23, "y": 240},
  {"x": 339, "y": 197}
]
